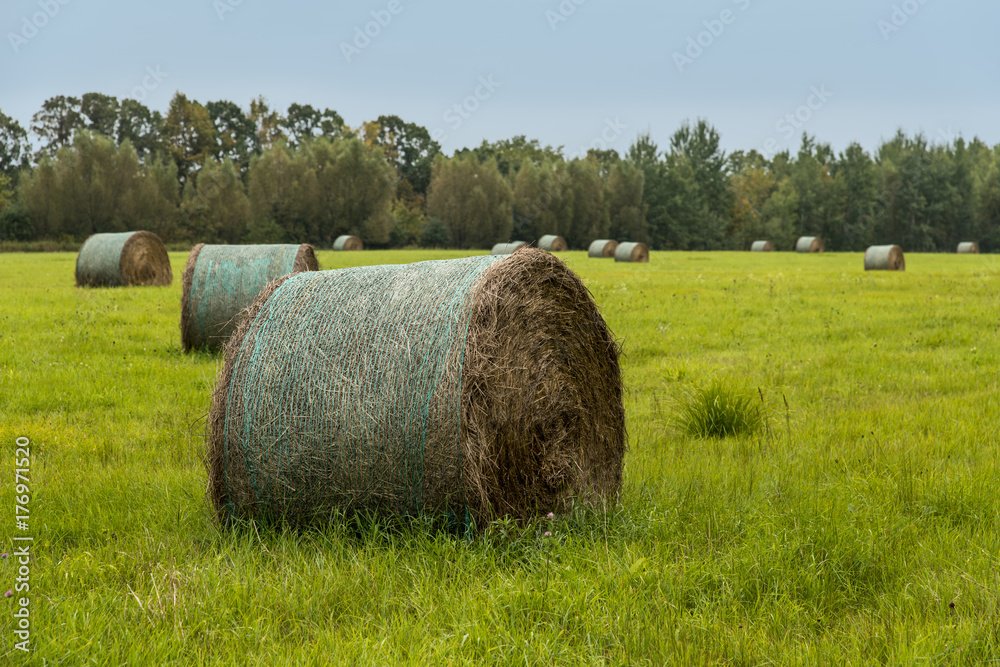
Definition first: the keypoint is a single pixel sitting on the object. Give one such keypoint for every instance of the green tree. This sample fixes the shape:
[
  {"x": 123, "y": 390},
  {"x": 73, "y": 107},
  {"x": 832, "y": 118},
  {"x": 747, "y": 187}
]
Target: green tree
[
  {"x": 215, "y": 207},
  {"x": 511, "y": 154},
  {"x": 15, "y": 149},
  {"x": 267, "y": 125},
  {"x": 140, "y": 127},
  {"x": 235, "y": 131},
  {"x": 100, "y": 113},
  {"x": 543, "y": 202},
  {"x": 190, "y": 135},
  {"x": 590, "y": 218},
  {"x": 624, "y": 197},
  {"x": 408, "y": 147},
  {"x": 472, "y": 199},
  {"x": 303, "y": 123},
  {"x": 856, "y": 185},
  {"x": 56, "y": 122}
]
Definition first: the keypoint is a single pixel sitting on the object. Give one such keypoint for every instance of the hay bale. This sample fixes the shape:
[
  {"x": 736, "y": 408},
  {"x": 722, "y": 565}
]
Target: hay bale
[
  {"x": 809, "y": 244},
  {"x": 128, "y": 258},
  {"x": 762, "y": 246},
  {"x": 220, "y": 281},
  {"x": 507, "y": 248},
  {"x": 632, "y": 252},
  {"x": 602, "y": 248},
  {"x": 470, "y": 388},
  {"x": 968, "y": 248},
  {"x": 346, "y": 242},
  {"x": 884, "y": 258},
  {"x": 553, "y": 243}
]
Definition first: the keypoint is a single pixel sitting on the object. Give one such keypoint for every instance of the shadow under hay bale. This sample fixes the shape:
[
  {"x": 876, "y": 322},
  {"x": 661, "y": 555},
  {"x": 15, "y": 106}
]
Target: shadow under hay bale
[
  {"x": 473, "y": 388},
  {"x": 632, "y": 252},
  {"x": 884, "y": 258},
  {"x": 968, "y": 248},
  {"x": 346, "y": 242},
  {"x": 220, "y": 281},
  {"x": 602, "y": 248},
  {"x": 553, "y": 243},
  {"x": 128, "y": 258},
  {"x": 809, "y": 244},
  {"x": 507, "y": 248},
  {"x": 762, "y": 246}
]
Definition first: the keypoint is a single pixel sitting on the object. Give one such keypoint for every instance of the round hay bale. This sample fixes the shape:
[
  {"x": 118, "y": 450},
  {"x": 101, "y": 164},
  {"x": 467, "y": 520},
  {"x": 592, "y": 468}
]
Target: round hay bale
[
  {"x": 346, "y": 242},
  {"x": 968, "y": 248},
  {"x": 507, "y": 248},
  {"x": 553, "y": 243},
  {"x": 762, "y": 246},
  {"x": 884, "y": 258},
  {"x": 809, "y": 244},
  {"x": 602, "y": 248},
  {"x": 128, "y": 258},
  {"x": 632, "y": 252},
  {"x": 471, "y": 388},
  {"x": 220, "y": 281}
]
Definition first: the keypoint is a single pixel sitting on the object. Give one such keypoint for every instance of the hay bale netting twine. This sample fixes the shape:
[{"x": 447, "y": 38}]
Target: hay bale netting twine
[
  {"x": 762, "y": 246},
  {"x": 470, "y": 389},
  {"x": 632, "y": 252},
  {"x": 968, "y": 248},
  {"x": 127, "y": 258},
  {"x": 884, "y": 258},
  {"x": 809, "y": 244},
  {"x": 346, "y": 242},
  {"x": 220, "y": 281},
  {"x": 602, "y": 248},
  {"x": 507, "y": 248},
  {"x": 553, "y": 243}
]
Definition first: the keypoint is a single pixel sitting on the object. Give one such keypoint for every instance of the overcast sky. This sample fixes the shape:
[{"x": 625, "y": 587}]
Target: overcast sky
[{"x": 576, "y": 73}]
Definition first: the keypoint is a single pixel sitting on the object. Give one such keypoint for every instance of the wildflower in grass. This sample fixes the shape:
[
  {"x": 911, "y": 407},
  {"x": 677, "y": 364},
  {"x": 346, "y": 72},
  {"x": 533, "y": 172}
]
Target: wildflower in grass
[
  {"x": 5, "y": 554},
  {"x": 548, "y": 533},
  {"x": 550, "y": 515},
  {"x": 8, "y": 594}
]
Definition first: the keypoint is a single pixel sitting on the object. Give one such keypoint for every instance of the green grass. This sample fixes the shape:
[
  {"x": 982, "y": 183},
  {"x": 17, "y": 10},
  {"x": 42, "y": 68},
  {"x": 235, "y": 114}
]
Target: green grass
[{"x": 860, "y": 527}]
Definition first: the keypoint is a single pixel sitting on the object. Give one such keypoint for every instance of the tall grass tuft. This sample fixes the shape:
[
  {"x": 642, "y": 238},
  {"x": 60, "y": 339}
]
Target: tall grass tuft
[{"x": 721, "y": 409}]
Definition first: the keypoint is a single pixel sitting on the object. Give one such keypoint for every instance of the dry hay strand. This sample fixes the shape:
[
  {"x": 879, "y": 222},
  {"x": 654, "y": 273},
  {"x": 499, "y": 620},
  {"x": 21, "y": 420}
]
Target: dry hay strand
[
  {"x": 884, "y": 258},
  {"x": 220, "y": 281},
  {"x": 507, "y": 248},
  {"x": 809, "y": 244},
  {"x": 346, "y": 242},
  {"x": 471, "y": 389},
  {"x": 553, "y": 243},
  {"x": 968, "y": 248},
  {"x": 632, "y": 252},
  {"x": 762, "y": 246},
  {"x": 123, "y": 259},
  {"x": 602, "y": 248}
]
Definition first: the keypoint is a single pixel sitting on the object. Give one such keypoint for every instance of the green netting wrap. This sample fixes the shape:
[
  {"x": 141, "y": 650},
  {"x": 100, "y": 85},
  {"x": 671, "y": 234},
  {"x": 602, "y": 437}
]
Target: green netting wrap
[
  {"x": 128, "y": 258},
  {"x": 220, "y": 281},
  {"x": 475, "y": 387}
]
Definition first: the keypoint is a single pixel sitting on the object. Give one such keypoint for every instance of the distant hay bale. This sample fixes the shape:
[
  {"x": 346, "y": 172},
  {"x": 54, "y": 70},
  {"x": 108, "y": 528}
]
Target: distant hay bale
[
  {"x": 128, "y": 258},
  {"x": 884, "y": 258},
  {"x": 220, "y": 281},
  {"x": 809, "y": 244},
  {"x": 968, "y": 248},
  {"x": 346, "y": 242},
  {"x": 602, "y": 248},
  {"x": 762, "y": 246},
  {"x": 632, "y": 252},
  {"x": 507, "y": 248},
  {"x": 470, "y": 388},
  {"x": 553, "y": 243}
]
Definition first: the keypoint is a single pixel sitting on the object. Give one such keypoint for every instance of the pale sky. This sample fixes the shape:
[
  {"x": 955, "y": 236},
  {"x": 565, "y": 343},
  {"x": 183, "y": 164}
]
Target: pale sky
[{"x": 576, "y": 73}]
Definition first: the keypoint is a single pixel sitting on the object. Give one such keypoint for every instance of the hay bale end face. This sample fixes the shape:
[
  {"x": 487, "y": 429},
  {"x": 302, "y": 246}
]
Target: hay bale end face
[
  {"x": 121, "y": 260},
  {"x": 479, "y": 387},
  {"x": 968, "y": 248},
  {"x": 632, "y": 252},
  {"x": 220, "y": 281},
  {"x": 884, "y": 258},
  {"x": 602, "y": 248},
  {"x": 553, "y": 243},
  {"x": 762, "y": 246},
  {"x": 809, "y": 244},
  {"x": 507, "y": 248},
  {"x": 346, "y": 242}
]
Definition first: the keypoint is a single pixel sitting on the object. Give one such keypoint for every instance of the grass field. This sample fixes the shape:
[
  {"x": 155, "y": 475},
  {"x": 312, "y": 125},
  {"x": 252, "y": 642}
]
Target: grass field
[{"x": 862, "y": 526}]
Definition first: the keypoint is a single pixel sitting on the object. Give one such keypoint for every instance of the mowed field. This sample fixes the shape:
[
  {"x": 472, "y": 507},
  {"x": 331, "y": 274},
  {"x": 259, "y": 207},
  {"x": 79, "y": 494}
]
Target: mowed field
[{"x": 862, "y": 526}]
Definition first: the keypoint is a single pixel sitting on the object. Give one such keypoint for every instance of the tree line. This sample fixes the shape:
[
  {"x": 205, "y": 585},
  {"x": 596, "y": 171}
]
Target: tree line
[{"x": 218, "y": 172}]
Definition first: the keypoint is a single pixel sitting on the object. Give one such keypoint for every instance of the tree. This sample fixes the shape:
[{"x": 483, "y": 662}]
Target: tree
[
  {"x": 472, "y": 199},
  {"x": 644, "y": 154},
  {"x": 699, "y": 189},
  {"x": 626, "y": 211},
  {"x": 751, "y": 186},
  {"x": 511, "y": 154},
  {"x": 407, "y": 146},
  {"x": 543, "y": 202},
  {"x": 141, "y": 128},
  {"x": 56, "y": 122},
  {"x": 215, "y": 207},
  {"x": 190, "y": 134},
  {"x": 15, "y": 149},
  {"x": 856, "y": 185},
  {"x": 235, "y": 131},
  {"x": 590, "y": 219},
  {"x": 267, "y": 125},
  {"x": 303, "y": 123},
  {"x": 100, "y": 113}
]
